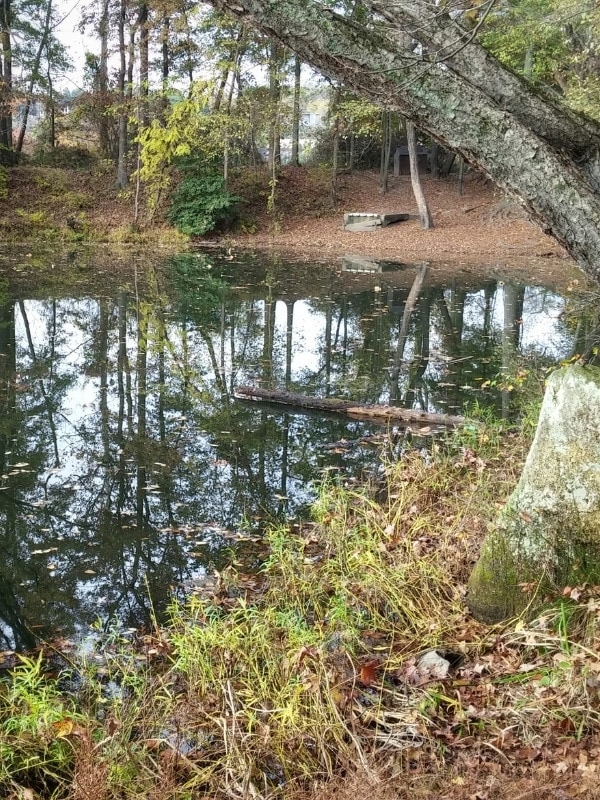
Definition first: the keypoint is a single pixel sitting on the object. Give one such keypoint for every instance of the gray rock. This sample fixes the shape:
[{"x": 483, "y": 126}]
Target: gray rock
[{"x": 548, "y": 534}]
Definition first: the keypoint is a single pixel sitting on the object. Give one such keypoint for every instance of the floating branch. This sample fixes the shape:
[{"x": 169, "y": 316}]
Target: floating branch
[{"x": 375, "y": 413}]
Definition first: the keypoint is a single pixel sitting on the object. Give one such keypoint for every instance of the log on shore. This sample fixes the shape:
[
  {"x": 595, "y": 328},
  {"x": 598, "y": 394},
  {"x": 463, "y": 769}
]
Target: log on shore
[{"x": 374, "y": 413}]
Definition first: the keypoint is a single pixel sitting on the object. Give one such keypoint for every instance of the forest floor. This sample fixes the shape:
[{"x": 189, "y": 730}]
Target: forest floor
[{"x": 480, "y": 226}]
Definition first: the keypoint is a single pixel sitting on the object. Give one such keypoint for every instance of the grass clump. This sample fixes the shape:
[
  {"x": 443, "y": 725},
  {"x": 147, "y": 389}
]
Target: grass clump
[
  {"x": 277, "y": 690},
  {"x": 35, "y": 721},
  {"x": 3, "y": 183}
]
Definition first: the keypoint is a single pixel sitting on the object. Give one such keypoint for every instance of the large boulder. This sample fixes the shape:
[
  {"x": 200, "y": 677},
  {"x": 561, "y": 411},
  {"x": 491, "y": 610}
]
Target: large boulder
[{"x": 548, "y": 534}]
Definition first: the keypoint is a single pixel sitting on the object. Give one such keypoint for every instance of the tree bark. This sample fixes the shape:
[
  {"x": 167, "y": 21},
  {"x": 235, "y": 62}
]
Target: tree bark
[
  {"x": 144, "y": 66},
  {"x": 165, "y": 28},
  {"x": 6, "y": 82},
  {"x": 50, "y": 107},
  {"x": 335, "y": 153},
  {"x": 386, "y": 147},
  {"x": 102, "y": 82},
  {"x": 275, "y": 61},
  {"x": 532, "y": 146},
  {"x": 434, "y": 163},
  {"x": 447, "y": 42},
  {"x": 296, "y": 113},
  {"x": 122, "y": 173},
  {"x": 415, "y": 178}
]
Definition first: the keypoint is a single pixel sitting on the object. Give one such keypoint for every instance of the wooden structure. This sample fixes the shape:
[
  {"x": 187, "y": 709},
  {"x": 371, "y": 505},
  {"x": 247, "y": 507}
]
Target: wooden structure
[{"x": 401, "y": 162}]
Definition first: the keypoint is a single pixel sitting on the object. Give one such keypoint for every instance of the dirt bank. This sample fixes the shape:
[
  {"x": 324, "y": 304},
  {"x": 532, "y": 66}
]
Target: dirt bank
[{"x": 479, "y": 227}]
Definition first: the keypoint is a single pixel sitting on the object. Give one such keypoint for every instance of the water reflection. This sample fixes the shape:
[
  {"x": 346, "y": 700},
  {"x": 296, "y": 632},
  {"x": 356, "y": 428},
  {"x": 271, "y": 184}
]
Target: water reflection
[{"x": 126, "y": 464}]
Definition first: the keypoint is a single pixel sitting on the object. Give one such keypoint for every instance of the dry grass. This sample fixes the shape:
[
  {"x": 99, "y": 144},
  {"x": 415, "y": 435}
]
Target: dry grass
[{"x": 312, "y": 685}]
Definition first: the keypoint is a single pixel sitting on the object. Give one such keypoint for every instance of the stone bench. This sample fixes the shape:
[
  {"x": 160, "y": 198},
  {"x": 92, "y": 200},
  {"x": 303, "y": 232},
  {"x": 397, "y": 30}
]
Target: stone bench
[{"x": 358, "y": 221}]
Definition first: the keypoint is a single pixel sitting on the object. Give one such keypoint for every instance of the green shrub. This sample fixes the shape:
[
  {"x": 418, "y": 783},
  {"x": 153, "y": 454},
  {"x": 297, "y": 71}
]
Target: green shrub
[
  {"x": 76, "y": 201},
  {"x": 202, "y": 203}
]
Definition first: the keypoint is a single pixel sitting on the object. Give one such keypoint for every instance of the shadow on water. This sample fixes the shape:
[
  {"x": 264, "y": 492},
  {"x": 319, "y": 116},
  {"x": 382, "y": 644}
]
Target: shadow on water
[{"x": 127, "y": 467}]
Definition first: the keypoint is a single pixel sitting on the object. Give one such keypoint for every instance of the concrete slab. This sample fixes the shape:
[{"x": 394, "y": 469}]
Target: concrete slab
[
  {"x": 351, "y": 263},
  {"x": 363, "y": 221},
  {"x": 363, "y": 226}
]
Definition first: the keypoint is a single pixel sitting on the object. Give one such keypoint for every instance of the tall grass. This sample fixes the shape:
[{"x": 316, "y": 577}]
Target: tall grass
[{"x": 247, "y": 696}]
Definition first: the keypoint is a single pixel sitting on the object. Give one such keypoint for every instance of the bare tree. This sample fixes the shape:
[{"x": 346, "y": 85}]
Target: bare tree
[{"x": 415, "y": 177}]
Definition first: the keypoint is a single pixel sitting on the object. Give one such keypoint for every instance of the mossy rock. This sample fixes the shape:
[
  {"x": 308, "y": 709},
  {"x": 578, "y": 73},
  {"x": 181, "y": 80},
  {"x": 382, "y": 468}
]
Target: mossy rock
[{"x": 548, "y": 534}]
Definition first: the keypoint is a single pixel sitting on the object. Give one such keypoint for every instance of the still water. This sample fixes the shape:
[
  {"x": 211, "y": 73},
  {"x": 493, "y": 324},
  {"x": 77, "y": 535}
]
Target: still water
[{"x": 128, "y": 470}]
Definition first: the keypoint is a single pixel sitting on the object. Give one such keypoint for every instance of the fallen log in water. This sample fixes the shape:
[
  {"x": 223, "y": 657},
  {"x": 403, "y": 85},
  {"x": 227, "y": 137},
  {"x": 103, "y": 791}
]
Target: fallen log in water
[{"x": 375, "y": 413}]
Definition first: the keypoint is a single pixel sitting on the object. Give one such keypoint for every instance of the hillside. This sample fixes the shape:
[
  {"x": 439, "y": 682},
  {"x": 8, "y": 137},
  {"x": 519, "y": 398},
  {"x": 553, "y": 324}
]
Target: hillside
[{"x": 68, "y": 205}]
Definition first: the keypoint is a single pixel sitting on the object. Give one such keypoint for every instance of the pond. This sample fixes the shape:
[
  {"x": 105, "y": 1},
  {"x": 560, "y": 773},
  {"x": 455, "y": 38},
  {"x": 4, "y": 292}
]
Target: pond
[{"x": 129, "y": 472}]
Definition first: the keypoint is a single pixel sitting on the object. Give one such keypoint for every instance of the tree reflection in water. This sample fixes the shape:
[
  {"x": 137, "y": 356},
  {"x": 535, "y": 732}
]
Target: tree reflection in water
[{"x": 126, "y": 464}]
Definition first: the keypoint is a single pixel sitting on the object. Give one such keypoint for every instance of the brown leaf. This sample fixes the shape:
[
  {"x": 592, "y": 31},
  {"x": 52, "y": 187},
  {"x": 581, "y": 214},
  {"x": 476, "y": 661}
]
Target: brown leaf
[
  {"x": 112, "y": 726},
  {"x": 368, "y": 672},
  {"x": 527, "y": 753},
  {"x": 306, "y": 653}
]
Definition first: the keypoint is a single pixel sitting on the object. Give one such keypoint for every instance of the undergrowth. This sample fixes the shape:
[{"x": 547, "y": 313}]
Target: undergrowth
[{"x": 319, "y": 671}]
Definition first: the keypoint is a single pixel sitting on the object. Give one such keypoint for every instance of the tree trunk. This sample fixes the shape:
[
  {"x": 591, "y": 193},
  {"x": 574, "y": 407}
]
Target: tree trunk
[
  {"x": 50, "y": 107},
  {"x": 334, "y": 162},
  {"x": 415, "y": 178},
  {"x": 165, "y": 28},
  {"x": 386, "y": 146},
  {"x": 296, "y": 113},
  {"x": 231, "y": 67},
  {"x": 102, "y": 83},
  {"x": 434, "y": 163},
  {"x": 275, "y": 58},
  {"x": 533, "y": 146},
  {"x": 6, "y": 82},
  {"x": 35, "y": 75},
  {"x": 144, "y": 66},
  {"x": 352, "y": 408},
  {"x": 122, "y": 175},
  {"x": 448, "y": 164},
  {"x": 218, "y": 95},
  {"x": 352, "y": 153},
  {"x": 461, "y": 177}
]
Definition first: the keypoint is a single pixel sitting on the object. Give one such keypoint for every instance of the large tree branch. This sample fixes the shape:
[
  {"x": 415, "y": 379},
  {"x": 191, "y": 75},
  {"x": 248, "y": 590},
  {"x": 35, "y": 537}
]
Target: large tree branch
[
  {"x": 445, "y": 40},
  {"x": 507, "y": 145}
]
